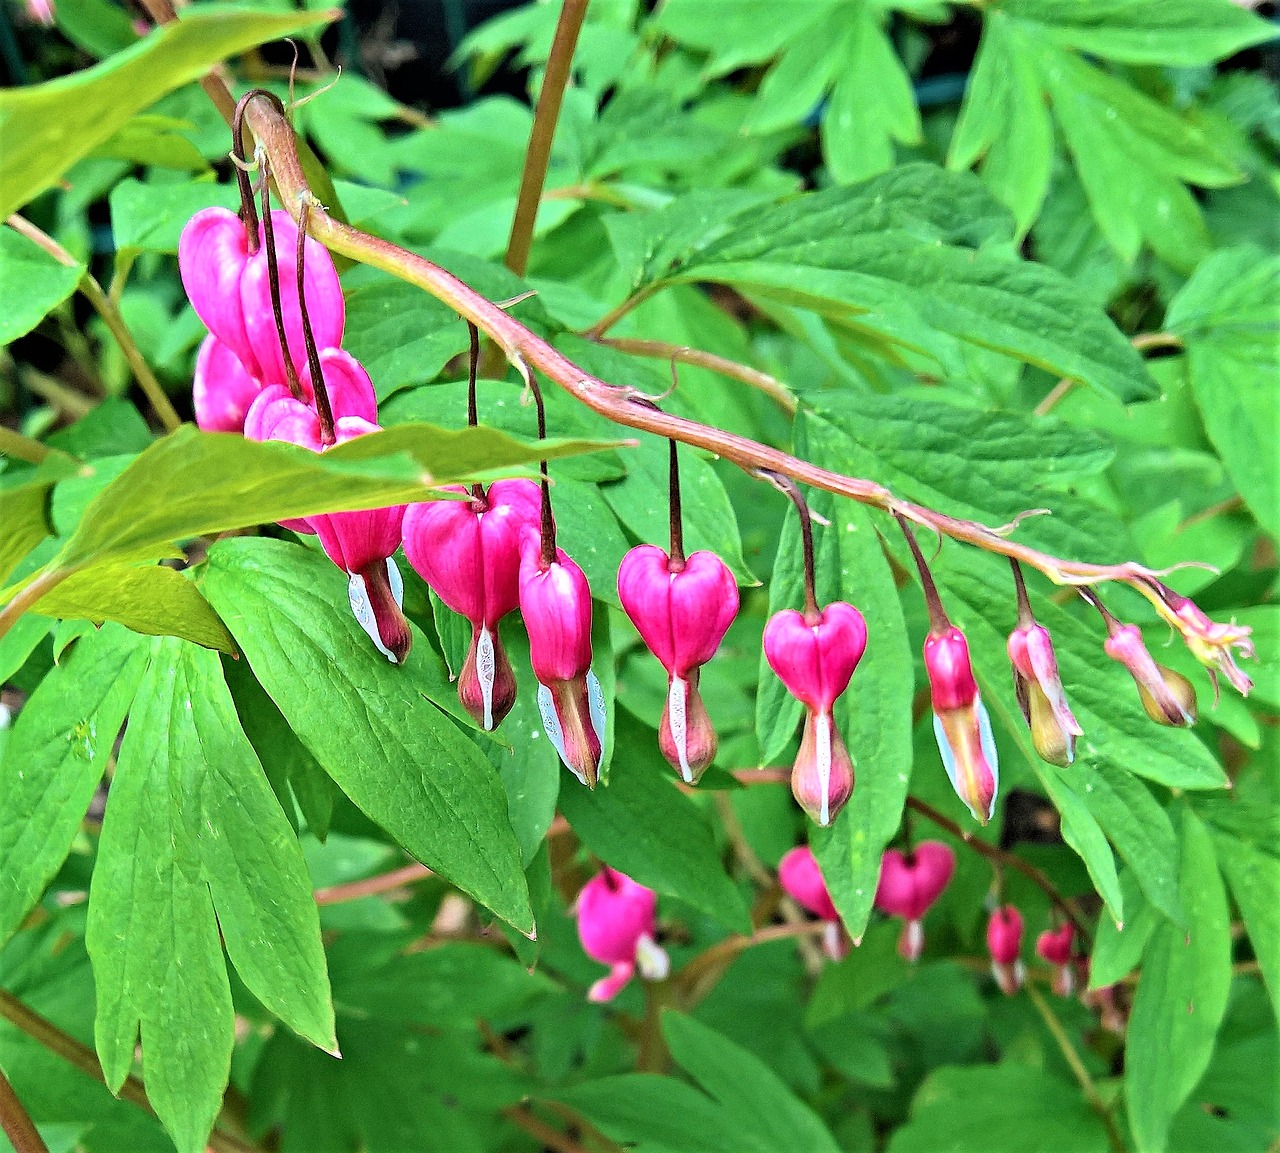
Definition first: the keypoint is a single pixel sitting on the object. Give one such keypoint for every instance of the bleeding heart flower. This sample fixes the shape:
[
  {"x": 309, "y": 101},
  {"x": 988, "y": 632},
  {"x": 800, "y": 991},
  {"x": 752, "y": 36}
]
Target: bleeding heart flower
[
  {"x": 617, "y": 927},
  {"x": 960, "y": 723},
  {"x": 1004, "y": 942},
  {"x": 222, "y": 389},
  {"x": 1040, "y": 695},
  {"x": 815, "y": 660},
  {"x": 1167, "y": 696},
  {"x": 555, "y": 601},
  {"x": 803, "y": 882},
  {"x": 682, "y": 613},
  {"x": 1057, "y": 948},
  {"x": 468, "y": 551},
  {"x": 1211, "y": 643},
  {"x": 909, "y": 885}
]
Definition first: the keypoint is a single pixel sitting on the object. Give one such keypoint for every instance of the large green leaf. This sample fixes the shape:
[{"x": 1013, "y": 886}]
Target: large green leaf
[
  {"x": 904, "y": 255},
  {"x": 1228, "y": 314},
  {"x": 48, "y": 127},
  {"x": 1181, "y": 996},
  {"x": 371, "y": 725},
  {"x": 32, "y": 284},
  {"x": 1254, "y": 877},
  {"x": 54, "y": 760},
  {"x": 641, "y": 825}
]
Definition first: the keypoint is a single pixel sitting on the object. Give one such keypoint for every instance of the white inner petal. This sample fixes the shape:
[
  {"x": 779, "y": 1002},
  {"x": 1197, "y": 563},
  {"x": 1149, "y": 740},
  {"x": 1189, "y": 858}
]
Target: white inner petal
[
  {"x": 823, "y": 734},
  {"x": 486, "y": 672},
  {"x": 652, "y": 959},
  {"x": 551, "y": 725},
  {"x": 595, "y": 706},
  {"x": 363, "y": 610},
  {"x": 677, "y": 717}
]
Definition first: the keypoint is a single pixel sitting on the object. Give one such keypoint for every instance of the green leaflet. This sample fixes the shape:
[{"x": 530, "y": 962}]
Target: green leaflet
[
  {"x": 373, "y": 727},
  {"x": 1117, "y": 951},
  {"x": 55, "y": 757},
  {"x": 48, "y": 127},
  {"x": 32, "y": 286},
  {"x": 1254, "y": 877},
  {"x": 1181, "y": 997},
  {"x": 192, "y": 827}
]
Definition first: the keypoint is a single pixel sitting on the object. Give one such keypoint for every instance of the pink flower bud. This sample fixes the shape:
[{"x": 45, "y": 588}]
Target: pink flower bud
[
  {"x": 1168, "y": 697},
  {"x": 816, "y": 660},
  {"x": 1039, "y": 689},
  {"x": 960, "y": 723},
  {"x": 1057, "y": 947},
  {"x": 822, "y": 777},
  {"x": 41, "y": 12},
  {"x": 617, "y": 927},
  {"x": 222, "y": 389},
  {"x": 682, "y": 616},
  {"x": 909, "y": 885},
  {"x": 802, "y": 880},
  {"x": 1004, "y": 941},
  {"x": 468, "y": 551},
  {"x": 555, "y": 601}
]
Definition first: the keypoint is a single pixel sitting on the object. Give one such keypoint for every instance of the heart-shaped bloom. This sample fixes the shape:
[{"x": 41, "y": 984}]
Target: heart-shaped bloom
[
  {"x": 1057, "y": 947},
  {"x": 617, "y": 927},
  {"x": 803, "y": 882},
  {"x": 468, "y": 552},
  {"x": 1167, "y": 696},
  {"x": 960, "y": 723},
  {"x": 909, "y": 885},
  {"x": 682, "y": 614},
  {"x": 1040, "y": 695},
  {"x": 1004, "y": 942},
  {"x": 555, "y": 601},
  {"x": 815, "y": 660}
]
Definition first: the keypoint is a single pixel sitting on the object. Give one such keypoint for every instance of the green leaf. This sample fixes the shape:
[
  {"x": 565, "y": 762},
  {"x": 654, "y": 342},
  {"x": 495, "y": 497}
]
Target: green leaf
[
  {"x": 1118, "y": 949},
  {"x": 32, "y": 284},
  {"x": 1003, "y": 1108},
  {"x": 50, "y": 126},
  {"x": 904, "y": 255},
  {"x": 1228, "y": 314},
  {"x": 744, "y": 1086},
  {"x": 372, "y": 726},
  {"x": 150, "y": 599},
  {"x": 192, "y": 483},
  {"x": 1254, "y": 877},
  {"x": 59, "y": 747},
  {"x": 1181, "y": 997},
  {"x": 151, "y": 217},
  {"x": 735, "y": 32},
  {"x": 641, "y": 825}
]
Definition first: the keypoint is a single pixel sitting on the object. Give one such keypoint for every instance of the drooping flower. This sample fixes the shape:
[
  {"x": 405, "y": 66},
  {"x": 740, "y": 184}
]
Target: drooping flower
[
  {"x": 960, "y": 722},
  {"x": 222, "y": 389},
  {"x": 468, "y": 551},
  {"x": 555, "y": 601},
  {"x": 360, "y": 543},
  {"x": 1040, "y": 694},
  {"x": 802, "y": 880},
  {"x": 1004, "y": 942},
  {"x": 1057, "y": 947},
  {"x": 617, "y": 927},
  {"x": 1167, "y": 696},
  {"x": 909, "y": 884},
  {"x": 682, "y": 613},
  {"x": 1211, "y": 643},
  {"x": 815, "y": 659}
]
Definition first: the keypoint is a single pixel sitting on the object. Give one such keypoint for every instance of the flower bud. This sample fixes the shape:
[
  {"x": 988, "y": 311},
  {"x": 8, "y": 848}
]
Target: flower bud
[
  {"x": 1057, "y": 948},
  {"x": 1039, "y": 690},
  {"x": 960, "y": 723},
  {"x": 909, "y": 885},
  {"x": 617, "y": 927},
  {"x": 1212, "y": 644},
  {"x": 555, "y": 601},
  {"x": 802, "y": 881},
  {"x": 682, "y": 615},
  {"x": 1004, "y": 942},
  {"x": 468, "y": 551},
  {"x": 1168, "y": 697}
]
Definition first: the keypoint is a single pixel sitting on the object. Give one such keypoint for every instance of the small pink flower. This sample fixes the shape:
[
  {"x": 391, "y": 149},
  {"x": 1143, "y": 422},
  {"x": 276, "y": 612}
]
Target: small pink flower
[
  {"x": 1040, "y": 694},
  {"x": 42, "y": 12},
  {"x": 1057, "y": 948},
  {"x": 909, "y": 885},
  {"x": 682, "y": 615},
  {"x": 816, "y": 660},
  {"x": 555, "y": 601},
  {"x": 803, "y": 882},
  {"x": 1211, "y": 643},
  {"x": 1004, "y": 942},
  {"x": 960, "y": 723},
  {"x": 617, "y": 927},
  {"x": 1167, "y": 696},
  {"x": 468, "y": 551}
]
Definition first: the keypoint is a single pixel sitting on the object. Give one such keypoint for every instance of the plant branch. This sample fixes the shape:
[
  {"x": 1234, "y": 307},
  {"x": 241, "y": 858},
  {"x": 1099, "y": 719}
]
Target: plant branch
[
  {"x": 371, "y": 886},
  {"x": 1090, "y": 1090},
  {"x": 551, "y": 1138},
  {"x": 16, "y": 1122},
  {"x": 28, "y": 596},
  {"x": 48, "y": 1034},
  {"x": 111, "y": 317},
  {"x": 660, "y": 350},
  {"x": 538, "y": 154},
  {"x": 693, "y": 981}
]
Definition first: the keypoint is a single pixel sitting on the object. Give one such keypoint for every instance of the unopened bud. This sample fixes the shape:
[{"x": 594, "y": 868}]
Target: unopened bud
[
  {"x": 1167, "y": 696},
  {"x": 822, "y": 777}
]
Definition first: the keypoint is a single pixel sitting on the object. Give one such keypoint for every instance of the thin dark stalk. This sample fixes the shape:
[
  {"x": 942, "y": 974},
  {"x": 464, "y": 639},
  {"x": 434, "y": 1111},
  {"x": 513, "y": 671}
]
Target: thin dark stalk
[
  {"x": 538, "y": 154},
  {"x": 248, "y": 210},
  {"x": 16, "y": 1122},
  {"x": 473, "y": 412},
  {"x": 676, "y": 563},
  {"x": 273, "y": 280},
  {"x": 789, "y": 488},
  {"x": 939, "y": 622},
  {"x": 1026, "y": 617},
  {"x": 548, "y": 520},
  {"x": 323, "y": 408}
]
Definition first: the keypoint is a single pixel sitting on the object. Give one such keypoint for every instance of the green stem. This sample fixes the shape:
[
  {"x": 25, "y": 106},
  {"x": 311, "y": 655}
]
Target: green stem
[
  {"x": 28, "y": 596},
  {"x": 21, "y": 447},
  {"x": 538, "y": 154},
  {"x": 17, "y": 1123}
]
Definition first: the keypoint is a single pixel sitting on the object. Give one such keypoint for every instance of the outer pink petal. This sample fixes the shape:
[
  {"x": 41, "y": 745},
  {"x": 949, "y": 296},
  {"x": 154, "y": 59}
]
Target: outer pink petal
[
  {"x": 222, "y": 390},
  {"x": 350, "y": 389},
  {"x": 442, "y": 542},
  {"x": 609, "y": 987},
  {"x": 704, "y": 601},
  {"x": 213, "y": 253},
  {"x": 802, "y": 879},
  {"x": 556, "y": 606},
  {"x": 644, "y": 588}
]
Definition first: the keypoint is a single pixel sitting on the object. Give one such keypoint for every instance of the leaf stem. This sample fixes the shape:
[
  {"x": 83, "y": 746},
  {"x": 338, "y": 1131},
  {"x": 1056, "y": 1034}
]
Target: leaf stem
[
  {"x": 16, "y": 1121},
  {"x": 694, "y": 981},
  {"x": 102, "y": 305},
  {"x": 371, "y": 886},
  {"x": 538, "y": 154},
  {"x": 1072, "y": 1057},
  {"x": 21, "y": 447},
  {"x": 547, "y": 1135},
  {"x": 29, "y": 595}
]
